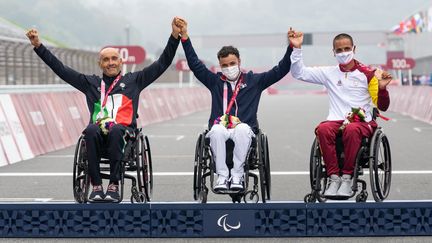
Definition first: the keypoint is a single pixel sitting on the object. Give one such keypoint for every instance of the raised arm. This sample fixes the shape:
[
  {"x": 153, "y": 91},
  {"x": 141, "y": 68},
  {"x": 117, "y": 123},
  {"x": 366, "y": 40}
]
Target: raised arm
[
  {"x": 298, "y": 69},
  {"x": 201, "y": 72},
  {"x": 378, "y": 89},
  {"x": 155, "y": 70},
  {"x": 277, "y": 72},
  {"x": 74, "y": 78}
]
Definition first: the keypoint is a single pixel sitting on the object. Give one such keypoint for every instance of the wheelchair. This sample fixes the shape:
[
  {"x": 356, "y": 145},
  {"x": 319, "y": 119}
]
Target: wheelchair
[
  {"x": 374, "y": 154},
  {"x": 136, "y": 158},
  {"x": 257, "y": 159}
]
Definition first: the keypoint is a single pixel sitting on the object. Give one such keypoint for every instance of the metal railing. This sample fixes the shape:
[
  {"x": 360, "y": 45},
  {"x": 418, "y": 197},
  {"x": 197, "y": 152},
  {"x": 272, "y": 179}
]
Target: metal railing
[{"x": 20, "y": 65}]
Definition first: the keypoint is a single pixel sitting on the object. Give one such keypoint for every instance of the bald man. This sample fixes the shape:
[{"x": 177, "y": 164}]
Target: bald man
[{"x": 112, "y": 100}]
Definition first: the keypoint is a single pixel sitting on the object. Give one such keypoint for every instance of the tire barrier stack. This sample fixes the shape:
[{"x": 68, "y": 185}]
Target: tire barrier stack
[
  {"x": 36, "y": 123},
  {"x": 415, "y": 101}
]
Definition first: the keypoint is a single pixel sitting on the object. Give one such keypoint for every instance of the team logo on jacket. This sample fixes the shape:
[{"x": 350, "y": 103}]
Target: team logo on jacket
[
  {"x": 339, "y": 83},
  {"x": 243, "y": 85},
  {"x": 122, "y": 86}
]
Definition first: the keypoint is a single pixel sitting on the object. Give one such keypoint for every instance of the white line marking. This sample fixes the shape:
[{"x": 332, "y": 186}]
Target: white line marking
[
  {"x": 57, "y": 156},
  {"x": 13, "y": 199},
  {"x": 184, "y": 125},
  {"x": 165, "y": 136},
  {"x": 180, "y": 138},
  {"x": 276, "y": 173},
  {"x": 153, "y": 156},
  {"x": 419, "y": 129}
]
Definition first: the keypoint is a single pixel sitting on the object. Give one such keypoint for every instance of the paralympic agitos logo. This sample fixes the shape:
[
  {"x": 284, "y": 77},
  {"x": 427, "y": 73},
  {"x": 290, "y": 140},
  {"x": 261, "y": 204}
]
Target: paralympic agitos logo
[{"x": 227, "y": 227}]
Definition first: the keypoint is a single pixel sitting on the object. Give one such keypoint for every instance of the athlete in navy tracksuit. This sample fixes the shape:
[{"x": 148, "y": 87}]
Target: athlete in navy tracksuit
[
  {"x": 245, "y": 105},
  {"x": 118, "y": 100}
]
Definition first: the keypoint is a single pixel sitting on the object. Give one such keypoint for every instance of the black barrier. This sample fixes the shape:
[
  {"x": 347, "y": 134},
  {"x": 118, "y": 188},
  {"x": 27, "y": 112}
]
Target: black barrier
[{"x": 216, "y": 220}]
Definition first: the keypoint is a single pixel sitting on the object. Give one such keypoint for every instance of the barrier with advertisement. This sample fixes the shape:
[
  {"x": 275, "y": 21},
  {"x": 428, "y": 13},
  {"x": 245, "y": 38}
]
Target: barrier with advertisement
[{"x": 415, "y": 101}]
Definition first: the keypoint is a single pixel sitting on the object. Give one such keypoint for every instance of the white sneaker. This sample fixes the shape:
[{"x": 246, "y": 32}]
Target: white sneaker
[
  {"x": 333, "y": 185},
  {"x": 236, "y": 183},
  {"x": 345, "y": 187},
  {"x": 221, "y": 183}
]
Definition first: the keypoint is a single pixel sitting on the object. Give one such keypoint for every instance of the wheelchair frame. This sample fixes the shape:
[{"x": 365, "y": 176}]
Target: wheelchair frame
[
  {"x": 374, "y": 154},
  {"x": 136, "y": 157},
  {"x": 257, "y": 158}
]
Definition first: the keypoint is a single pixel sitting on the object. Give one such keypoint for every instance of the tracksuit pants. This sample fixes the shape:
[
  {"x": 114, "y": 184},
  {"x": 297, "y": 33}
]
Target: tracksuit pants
[
  {"x": 351, "y": 138},
  {"x": 241, "y": 135},
  {"x": 99, "y": 145}
]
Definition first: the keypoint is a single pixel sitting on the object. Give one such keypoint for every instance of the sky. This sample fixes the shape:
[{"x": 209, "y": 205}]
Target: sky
[
  {"x": 97, "y": 23},
  {"x": 225, "y": 17}
]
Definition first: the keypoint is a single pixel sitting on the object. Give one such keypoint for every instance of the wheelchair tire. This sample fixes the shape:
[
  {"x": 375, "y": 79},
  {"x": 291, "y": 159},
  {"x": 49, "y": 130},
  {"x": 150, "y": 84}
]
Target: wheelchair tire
[
  {"x": 149, "y": 164},
  {"x": 144, "y": 167},
  {"x": 201, "y": 189},
  {"x": 81, "y": 182},
  {"x": 261, "y": 165},
  {"x": 317, "y": 172},
  {"x": 250, "y": 197},
  {"x": 267, "y": 168},
  {"x": 380, "y": 166},
  {"x": 196, "y": 186}
]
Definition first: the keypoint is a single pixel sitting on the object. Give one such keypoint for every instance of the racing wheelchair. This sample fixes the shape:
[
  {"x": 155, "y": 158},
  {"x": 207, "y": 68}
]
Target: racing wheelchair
[
  {"x": 136, "y": 158},
  {"x": 257, "y": 158},
  {"x": 374, "y": 154}
]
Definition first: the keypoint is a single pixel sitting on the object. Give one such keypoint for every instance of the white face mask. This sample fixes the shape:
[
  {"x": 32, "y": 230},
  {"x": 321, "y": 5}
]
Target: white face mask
[
  {"x": 231, "y": 73},
  {"x": 345, "y": 57}
]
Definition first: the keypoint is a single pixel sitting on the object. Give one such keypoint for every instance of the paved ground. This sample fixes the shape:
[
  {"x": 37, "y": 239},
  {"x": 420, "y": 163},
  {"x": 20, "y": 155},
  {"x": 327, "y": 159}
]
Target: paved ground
[{"x": 288, "y": 120}]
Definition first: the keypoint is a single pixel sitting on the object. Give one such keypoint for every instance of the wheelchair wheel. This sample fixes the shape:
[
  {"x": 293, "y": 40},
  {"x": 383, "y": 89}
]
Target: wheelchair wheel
[
  {"x": 380, "y": 166},
  {"x": 265, "y": 177},
  {"x": 144, "y": 167},
  {"x": 149, "y": 166},
  {"x": 261, "y": 165},
  {"x": 317, "y": 174},
  {"x": 81, "y": 182},
  {"x": 250, "y": 197},
  {"x": 200, "y": 191},
  {"x": 196, "y": 165}
]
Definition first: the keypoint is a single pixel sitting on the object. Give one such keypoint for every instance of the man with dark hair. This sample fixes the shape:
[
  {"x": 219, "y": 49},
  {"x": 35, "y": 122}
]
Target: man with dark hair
[
  {"x": 113, "y": 108},
  {"x": 235, "y": 97},
  {"x": 226, "y": 50},
  {"x": 342, "y": 36},
  {"x": 353, "y": 90}
]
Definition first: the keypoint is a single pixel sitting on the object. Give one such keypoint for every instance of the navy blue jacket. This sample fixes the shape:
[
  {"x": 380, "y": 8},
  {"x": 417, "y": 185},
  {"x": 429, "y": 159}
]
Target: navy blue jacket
[{"x": 250, "y": 92}]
